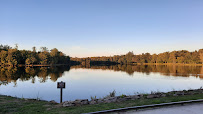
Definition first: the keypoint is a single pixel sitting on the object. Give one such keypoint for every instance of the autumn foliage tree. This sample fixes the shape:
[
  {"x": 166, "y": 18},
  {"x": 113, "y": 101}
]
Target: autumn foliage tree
[
  {"x": 13, "y": 57},
  {"x": 182, "y": 56}
]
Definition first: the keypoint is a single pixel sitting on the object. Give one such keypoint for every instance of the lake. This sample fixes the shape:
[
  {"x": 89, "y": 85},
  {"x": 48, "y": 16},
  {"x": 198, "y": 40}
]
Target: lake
[{"x": 82, "y": 82}]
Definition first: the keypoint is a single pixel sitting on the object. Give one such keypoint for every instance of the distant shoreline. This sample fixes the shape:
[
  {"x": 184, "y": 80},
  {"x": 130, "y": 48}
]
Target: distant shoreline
[
  {"x": 181, "y": 64},
  {"x": 48, "y": 65},
  {"x": 177, "y": 64},
  {"x": 38, "y": 65}
]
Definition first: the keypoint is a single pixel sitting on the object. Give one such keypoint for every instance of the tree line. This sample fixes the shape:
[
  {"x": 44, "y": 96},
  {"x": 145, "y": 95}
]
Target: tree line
[
  {"x": 12, "y": 56},
  {"x": 183, "y": 56}
]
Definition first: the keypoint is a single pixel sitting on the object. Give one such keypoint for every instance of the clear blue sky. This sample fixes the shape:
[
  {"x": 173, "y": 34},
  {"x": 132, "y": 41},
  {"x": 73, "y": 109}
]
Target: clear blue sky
[{"x": 103, "y": 27}]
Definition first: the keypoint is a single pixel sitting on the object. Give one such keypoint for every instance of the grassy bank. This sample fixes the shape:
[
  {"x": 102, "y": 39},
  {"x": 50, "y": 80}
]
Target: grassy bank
[{"x": 17, "y": 105}]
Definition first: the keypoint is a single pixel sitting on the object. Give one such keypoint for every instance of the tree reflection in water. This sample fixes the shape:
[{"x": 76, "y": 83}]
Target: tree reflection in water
[
  {"x": 10, "y": 74},
  {"x": 167, "y": 70}
]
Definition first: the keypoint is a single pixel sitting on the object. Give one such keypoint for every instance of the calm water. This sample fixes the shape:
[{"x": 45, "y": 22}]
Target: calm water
[{"x": 84, "y": 82}]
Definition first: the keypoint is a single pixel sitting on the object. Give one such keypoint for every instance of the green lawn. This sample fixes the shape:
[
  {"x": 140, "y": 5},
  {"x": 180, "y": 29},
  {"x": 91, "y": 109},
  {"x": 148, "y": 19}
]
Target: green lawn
[{"x": 21, "y": 106}]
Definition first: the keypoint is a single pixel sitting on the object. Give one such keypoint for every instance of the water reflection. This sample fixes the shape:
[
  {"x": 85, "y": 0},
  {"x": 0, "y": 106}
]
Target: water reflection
[
  {"x": 167, "y": 70},
  {"x": 10, "y": 74},
  {"x": 86, "y": 81}
]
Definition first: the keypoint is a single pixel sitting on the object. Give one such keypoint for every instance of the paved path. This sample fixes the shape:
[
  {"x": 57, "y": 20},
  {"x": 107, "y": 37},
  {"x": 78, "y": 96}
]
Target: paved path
[{"x": 194, "y": 108}]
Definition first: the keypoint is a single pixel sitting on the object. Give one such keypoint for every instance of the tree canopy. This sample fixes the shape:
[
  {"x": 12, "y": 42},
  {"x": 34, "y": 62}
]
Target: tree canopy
[
  {"x": 182, "y": 56},
  {"x": 14, "y": 57}
]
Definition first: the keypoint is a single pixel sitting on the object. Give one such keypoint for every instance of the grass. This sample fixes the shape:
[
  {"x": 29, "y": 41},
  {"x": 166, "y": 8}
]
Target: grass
[
  {"x": 111, "y": 94},
  {"x": 23, "y": 106}
]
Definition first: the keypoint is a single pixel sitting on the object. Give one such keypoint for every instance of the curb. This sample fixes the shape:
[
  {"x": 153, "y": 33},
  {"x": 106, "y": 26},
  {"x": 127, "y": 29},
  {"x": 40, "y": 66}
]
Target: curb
[{"x": 145, "y": 106}]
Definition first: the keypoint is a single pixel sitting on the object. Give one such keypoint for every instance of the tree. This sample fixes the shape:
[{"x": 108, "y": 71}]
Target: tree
[
  {"x": 34, "y": 49},
  {"x": 172, "y": 57},
  {"x": 11, "y": 57},
  {"x": 44, "y": 49},
  {"x": 129, "y": 57},
  {"x": 201, "y": 55},
  {"x": 195, "y": 57},
  {"x": 54, "y": 56},
  {"x": 16, "y": 46},
  {"x": 54, "y": 52},
  {"x": 44, "y": 58},
  {"x": 188, "y": 58},
  {"x": 180, "y": 59},
  {"x": 3, "y": 56},
  {"x": 30, "y": 60},
  {"x": 5, "y": 47},
  {"x": 142, "y": 58},
  {"x": 147, "y": 57},
  {"x": 154, "y": 58}
]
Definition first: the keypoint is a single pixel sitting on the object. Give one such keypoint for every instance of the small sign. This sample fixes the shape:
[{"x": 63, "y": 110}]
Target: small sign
[{"x": 61, "y": 84}]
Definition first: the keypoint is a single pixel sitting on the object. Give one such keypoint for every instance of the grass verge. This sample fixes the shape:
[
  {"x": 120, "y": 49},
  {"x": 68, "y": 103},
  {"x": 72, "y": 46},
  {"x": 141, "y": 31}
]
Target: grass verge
[{"x": 22, "y": 106}]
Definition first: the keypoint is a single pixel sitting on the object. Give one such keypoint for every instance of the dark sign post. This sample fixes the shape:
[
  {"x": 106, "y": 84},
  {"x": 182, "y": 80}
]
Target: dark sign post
[{"x": 61, "y": 85}]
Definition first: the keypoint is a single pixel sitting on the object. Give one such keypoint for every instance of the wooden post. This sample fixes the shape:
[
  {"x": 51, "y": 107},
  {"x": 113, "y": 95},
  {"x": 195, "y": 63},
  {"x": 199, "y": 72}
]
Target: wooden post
[
  {"x": 61, "y": 96},
  {"x": 61, "y": 85}
]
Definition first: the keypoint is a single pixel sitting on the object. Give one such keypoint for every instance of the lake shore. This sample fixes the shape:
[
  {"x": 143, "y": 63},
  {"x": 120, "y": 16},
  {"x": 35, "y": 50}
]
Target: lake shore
[
  {"x": 50, "y": 65},
  {"x": 10, "y": 104},
  {"x": 38, "y": 65},
  {"x": 177, "y": 64}
]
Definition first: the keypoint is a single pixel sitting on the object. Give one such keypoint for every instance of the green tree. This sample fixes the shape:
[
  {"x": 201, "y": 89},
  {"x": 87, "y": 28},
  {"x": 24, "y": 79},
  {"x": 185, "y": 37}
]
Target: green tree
[
  {"x": 44, "y": 56},
  {"x": 54, "y": 54}
]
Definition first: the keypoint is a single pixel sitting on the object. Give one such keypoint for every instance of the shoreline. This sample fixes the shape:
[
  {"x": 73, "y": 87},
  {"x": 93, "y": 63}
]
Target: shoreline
[
  {"x": 169, "y": 64},
  {"x": 10, "y": 104},
  {"x": 38, "y": 65},
  {"x": 175, "y": 64},
  {"x": 111, "y": 98}
]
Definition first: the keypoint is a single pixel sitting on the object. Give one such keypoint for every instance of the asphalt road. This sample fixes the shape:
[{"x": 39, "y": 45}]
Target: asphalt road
[{"x": 193, "y": 108}]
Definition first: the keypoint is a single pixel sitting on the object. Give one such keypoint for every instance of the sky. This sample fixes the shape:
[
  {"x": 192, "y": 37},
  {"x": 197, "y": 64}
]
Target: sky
[{"x": 82, "y": 28}]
